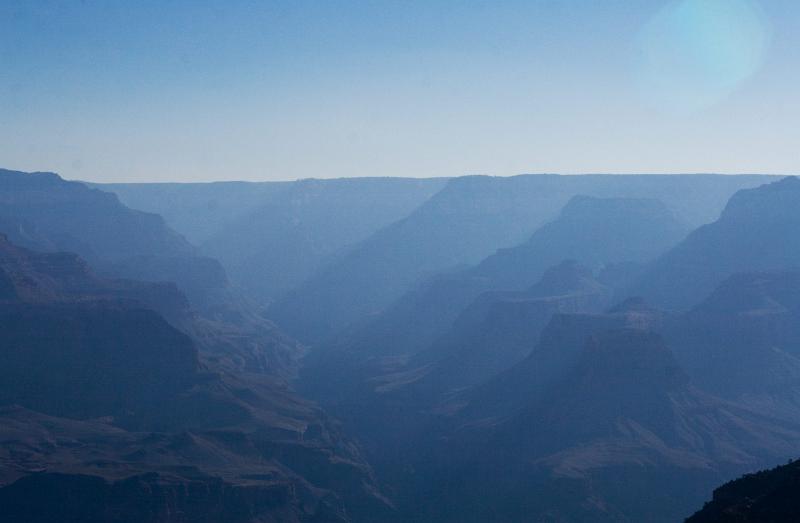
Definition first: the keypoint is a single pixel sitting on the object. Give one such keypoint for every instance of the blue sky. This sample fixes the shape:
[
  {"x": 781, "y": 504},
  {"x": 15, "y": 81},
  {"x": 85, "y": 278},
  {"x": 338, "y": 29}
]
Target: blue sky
[{"x": 199, "y": 90}]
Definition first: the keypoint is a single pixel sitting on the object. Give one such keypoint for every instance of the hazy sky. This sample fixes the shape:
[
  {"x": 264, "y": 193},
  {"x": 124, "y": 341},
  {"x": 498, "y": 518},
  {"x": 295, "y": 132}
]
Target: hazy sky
[{"x": 197, "y": 90}]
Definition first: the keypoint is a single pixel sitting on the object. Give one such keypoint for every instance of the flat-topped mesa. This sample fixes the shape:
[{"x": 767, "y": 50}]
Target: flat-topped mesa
[
  {"x": 560, "y": 347},
  {"x": 623, "y": 377},
  {"x": 501, "y": 328}
]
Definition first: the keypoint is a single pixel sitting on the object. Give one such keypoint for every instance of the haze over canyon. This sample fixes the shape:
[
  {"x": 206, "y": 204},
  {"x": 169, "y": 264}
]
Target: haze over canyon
[{"x": 532, "y": 348}]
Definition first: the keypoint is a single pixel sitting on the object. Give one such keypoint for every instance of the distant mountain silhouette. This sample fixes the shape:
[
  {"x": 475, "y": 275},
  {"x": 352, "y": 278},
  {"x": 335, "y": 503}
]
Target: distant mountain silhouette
[
  {"x": 277, "y": 246},
  {"x": 468, "y": 220},
  {"x": 197, "y": 210},
  {"x": 592, "y": 231},
  {"x": 271, "y": 236},
  {"x": 756, "y": 231}
]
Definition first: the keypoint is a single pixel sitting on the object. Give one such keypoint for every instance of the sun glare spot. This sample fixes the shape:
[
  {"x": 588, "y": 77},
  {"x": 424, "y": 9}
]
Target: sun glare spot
[{"x": 694, "y": 53}]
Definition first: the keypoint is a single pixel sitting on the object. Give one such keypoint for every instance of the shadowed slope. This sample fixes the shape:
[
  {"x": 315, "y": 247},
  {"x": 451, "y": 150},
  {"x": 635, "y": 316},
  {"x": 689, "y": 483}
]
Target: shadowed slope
[
  {"x": 130, "y": 423},
  {"x": 757, "y": 231}
]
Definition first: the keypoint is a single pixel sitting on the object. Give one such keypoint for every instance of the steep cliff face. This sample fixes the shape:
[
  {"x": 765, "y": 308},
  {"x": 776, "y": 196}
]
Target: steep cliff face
[
  {"x": 756, "y": 232},
  {"x": 131, "y": 424},
  {"x": 50, "y": 213},
  {"x": 92, "y": 359},
  {"x": 76, "y": 346},
  {"x": 46, "y": 213}
]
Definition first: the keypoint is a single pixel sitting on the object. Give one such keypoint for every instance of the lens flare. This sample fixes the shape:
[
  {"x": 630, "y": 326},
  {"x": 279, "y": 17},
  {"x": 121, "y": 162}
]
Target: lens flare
[{"x": 694, "y": 53}]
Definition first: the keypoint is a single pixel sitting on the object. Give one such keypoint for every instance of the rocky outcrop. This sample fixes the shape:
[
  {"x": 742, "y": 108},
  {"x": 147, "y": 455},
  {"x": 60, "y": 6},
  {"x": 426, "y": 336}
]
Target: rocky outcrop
[{"x": 770, "y": 495}]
